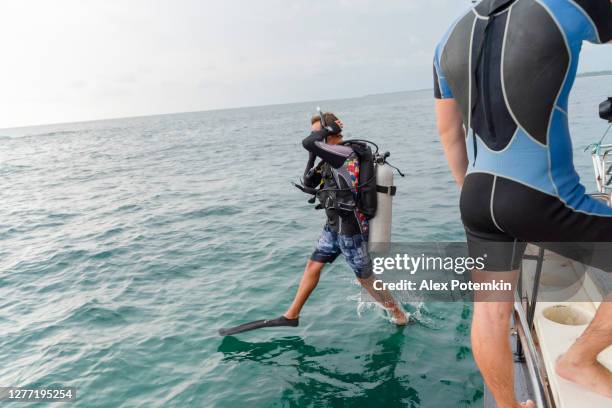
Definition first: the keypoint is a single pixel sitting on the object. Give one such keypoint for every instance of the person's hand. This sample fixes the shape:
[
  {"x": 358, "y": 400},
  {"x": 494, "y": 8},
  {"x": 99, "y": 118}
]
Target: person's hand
[
  {"x": 334, "y": 128},
  {"x": 339, "y": 122}
]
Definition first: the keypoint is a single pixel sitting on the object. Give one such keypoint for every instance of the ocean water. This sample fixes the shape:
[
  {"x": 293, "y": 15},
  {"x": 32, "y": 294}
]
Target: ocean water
[{"x": 125, "y": 244}]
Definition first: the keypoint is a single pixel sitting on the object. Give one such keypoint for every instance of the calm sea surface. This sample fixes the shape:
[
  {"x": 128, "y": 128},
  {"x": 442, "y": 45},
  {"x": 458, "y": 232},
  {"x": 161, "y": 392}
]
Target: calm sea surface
[{"x": 125, "y": 244}]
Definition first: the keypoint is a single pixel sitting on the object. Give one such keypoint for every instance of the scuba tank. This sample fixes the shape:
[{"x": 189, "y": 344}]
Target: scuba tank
[
  {"x": 376, "y": 192},
  {"x": 380, "y": 225}
]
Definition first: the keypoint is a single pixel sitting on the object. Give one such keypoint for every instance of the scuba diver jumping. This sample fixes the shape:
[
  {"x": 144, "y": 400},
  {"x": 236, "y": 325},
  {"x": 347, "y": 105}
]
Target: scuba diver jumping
[
  {"x": 346, "y": 231},
  {"x": 345, "y": 184}
]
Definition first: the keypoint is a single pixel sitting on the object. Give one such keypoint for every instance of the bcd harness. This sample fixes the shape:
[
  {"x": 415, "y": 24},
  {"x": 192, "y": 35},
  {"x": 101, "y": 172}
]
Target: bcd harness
[{"x": 336, "y": 191}]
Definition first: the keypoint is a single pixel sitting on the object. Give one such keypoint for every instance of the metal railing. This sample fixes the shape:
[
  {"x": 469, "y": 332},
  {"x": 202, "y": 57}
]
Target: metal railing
[
  {"x": 601, "y": 155},
  {"x": 526, "y": 350}
]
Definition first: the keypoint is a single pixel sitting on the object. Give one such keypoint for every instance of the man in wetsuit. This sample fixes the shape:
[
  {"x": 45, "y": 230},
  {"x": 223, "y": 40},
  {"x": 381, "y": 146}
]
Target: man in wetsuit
[
  {"x": 345, "y": 233},
  {"x": 503, "y": 74}
]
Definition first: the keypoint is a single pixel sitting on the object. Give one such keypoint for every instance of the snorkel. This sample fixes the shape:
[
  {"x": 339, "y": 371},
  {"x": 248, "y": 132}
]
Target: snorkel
[
  {"x": 322, "y": 119},
  {"x": 321, "y": 116}
]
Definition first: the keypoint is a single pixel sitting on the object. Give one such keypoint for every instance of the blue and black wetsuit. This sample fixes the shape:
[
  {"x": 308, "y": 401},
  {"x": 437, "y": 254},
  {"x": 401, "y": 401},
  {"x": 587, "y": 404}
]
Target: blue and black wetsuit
[
  {"x": 346, "y": 229},
  {"x": 511, "y": 65}
]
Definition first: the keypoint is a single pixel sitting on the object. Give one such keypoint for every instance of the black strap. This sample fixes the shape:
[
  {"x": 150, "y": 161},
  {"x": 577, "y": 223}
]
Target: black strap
[
  {"x": 391, "y": 190},
  {"x": 488, "y": 8},
  {"x": 307, "y": 190}
]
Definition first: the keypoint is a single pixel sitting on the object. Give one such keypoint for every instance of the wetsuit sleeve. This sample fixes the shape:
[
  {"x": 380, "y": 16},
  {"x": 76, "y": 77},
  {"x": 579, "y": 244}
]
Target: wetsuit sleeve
[
  {"x": 437, "y": 92},
  {"x": 441, "y": 88},
  {"x": 335, "y": 155},
  {"x": 314, "y": 177},
  {"x": 600, "y": 15},
  {"x": 310, "y": 164}
]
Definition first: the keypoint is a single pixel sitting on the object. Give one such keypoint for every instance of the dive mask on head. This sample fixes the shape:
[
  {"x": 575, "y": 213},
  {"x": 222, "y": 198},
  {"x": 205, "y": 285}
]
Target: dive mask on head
[{"x": 333, "y": 128}]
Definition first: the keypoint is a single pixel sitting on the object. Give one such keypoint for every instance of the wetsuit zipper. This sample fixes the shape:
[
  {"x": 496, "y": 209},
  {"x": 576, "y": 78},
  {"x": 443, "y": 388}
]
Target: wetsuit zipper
[{"x": 485, "y": 79}]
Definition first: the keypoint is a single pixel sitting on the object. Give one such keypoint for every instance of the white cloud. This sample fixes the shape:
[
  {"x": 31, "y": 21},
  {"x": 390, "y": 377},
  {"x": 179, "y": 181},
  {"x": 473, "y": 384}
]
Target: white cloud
[{"x": 69, "y": 60}]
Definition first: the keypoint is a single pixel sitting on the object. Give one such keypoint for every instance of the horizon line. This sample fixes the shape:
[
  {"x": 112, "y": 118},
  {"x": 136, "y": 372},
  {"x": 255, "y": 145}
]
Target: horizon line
[
  {"x": 209, "y": 110},
  {"x": 585, "y": 74}
]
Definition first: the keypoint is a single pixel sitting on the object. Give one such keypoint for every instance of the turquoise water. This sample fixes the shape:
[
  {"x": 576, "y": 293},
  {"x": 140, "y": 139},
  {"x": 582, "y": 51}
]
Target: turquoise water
[{"x": 125, "y": 244}]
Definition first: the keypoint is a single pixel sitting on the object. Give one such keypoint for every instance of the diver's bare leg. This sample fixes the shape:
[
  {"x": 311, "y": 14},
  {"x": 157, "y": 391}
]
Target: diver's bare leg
[
  {"x": 491, "y": 342},
  {"x": 309, "y": 282},
  {"x": 386, "y": 299},
  {"x": 579, "y": 364}
]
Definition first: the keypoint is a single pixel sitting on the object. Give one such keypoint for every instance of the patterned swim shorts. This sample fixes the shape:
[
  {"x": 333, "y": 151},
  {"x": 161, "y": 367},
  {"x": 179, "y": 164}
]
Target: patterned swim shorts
[{"x": 354, "y": 248}]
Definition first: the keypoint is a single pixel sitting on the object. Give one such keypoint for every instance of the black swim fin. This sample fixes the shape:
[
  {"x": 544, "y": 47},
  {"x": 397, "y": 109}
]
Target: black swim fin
[{"x": 259, "y": 324}]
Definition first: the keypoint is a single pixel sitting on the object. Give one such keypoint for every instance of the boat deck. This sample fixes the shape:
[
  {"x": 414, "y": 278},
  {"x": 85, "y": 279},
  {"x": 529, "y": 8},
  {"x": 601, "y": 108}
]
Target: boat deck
[{"x": 552, "y": 326}]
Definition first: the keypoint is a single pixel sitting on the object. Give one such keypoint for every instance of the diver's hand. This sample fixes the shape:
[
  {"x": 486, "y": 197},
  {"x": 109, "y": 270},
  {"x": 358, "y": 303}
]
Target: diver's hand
[{"x": 334, "y": 128}]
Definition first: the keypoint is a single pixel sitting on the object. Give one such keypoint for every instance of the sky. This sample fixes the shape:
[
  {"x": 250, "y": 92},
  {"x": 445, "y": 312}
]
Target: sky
[{"x": 74, "y": 60}]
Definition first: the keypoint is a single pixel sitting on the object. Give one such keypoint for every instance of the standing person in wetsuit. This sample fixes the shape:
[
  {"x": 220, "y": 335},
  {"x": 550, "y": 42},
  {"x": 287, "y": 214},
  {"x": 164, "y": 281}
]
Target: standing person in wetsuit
[
  {"x": 503, "y": 74},
  {"x": 346, "y": 230}
]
